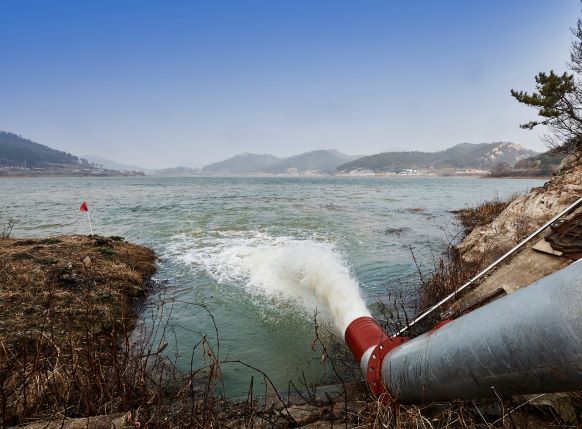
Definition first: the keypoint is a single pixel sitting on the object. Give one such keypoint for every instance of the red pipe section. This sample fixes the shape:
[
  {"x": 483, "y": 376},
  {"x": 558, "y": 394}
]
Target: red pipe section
[{"x": 363, "y": 334}]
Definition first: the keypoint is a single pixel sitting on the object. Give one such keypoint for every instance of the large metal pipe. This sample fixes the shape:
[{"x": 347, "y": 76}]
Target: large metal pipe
[{"x": 527, "y": 342}]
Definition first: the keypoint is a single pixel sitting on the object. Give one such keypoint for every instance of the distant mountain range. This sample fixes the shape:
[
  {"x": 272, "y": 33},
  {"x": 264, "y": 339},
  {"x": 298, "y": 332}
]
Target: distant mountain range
[
  {"x": 315, "y": 162},
  {"x": 462, "y": 156},
  {"x": 21, "y": 156}
]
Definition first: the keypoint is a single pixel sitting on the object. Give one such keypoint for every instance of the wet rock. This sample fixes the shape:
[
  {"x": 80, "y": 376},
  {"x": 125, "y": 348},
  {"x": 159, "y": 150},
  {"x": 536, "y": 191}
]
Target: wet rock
[
  {"x": 102, "y": 242},
  {"x": 395, "y": 231}
]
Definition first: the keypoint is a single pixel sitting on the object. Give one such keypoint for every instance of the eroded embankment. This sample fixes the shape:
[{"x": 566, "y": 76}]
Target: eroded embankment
[
  {"x": 524, "y": 214},
  {"x": 495, "y": 227},
  {"x": 65, "y": 306}
]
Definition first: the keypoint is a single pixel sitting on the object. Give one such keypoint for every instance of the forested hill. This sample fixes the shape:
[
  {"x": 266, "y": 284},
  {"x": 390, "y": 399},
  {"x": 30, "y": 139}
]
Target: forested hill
[
  {"x": 17, "y": 151},
  {"x": 323, "y": 161},
  {"x": 241, "y": 164},
  {"x": 314, "y": 162},
  {"x": 464, "y": 155}
]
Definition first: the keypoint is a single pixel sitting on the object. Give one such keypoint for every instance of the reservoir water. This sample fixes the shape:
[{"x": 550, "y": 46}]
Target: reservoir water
[{"x": 262, "y": 254}]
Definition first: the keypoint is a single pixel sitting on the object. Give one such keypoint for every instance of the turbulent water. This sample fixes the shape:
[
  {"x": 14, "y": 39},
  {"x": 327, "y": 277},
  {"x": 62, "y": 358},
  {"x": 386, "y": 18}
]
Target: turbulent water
[
  {"x": 302, "y": 271},
  {"x": 263, "y": 254}
]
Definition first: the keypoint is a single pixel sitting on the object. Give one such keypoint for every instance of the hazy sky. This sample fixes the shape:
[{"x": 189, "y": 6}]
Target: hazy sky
[{"x": 164, "y": 83}]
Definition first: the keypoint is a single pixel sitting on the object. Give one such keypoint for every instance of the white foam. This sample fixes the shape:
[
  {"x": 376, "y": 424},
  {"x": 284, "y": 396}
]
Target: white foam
[{"x": 308, "y": 272}]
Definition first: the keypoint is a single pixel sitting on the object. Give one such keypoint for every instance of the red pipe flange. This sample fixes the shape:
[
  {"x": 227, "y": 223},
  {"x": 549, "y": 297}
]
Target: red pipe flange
[
  {"x": 374, "y": 374},
  {"x": 364, "y": 333}
]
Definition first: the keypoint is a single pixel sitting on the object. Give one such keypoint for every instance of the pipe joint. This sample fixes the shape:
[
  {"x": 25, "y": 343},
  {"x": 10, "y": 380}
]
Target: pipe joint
[
  {"x": 374, "y": 373},
  {"x": 369, "y": 344}
]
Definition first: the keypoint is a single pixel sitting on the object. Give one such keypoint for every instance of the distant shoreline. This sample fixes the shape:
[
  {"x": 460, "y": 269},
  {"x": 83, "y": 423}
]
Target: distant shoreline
[
  {"x": 57, "y": 173},
  {"x": 274, "y": 176}
]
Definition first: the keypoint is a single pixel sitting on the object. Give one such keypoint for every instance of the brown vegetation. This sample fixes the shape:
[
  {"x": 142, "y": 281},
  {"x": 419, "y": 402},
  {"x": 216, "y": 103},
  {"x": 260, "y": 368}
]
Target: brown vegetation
[
  {"x": 482, "y": 214},
  {"x": 65, "y": 308},
  {"x": 449, "y": 273}
]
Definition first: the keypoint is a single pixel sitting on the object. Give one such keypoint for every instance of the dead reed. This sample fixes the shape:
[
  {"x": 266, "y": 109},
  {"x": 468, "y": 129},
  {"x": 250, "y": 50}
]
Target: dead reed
[{"x": 483, "y": 214}]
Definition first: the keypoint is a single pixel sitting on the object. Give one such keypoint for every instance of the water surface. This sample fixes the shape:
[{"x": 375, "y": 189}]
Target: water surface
[{"x": 245, "y": 247}]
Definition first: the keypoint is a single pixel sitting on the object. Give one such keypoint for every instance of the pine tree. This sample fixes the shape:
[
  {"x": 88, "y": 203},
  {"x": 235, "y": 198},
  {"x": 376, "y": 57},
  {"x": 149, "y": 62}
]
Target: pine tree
[{"x": 558, "y": 100}]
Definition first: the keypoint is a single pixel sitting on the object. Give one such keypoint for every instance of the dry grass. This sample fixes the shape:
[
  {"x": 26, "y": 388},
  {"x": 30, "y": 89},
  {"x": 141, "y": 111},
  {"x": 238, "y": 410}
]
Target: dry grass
[
  {"x": 449, "y": 270},
  {"x": 448, "y": 274},
  {"x": 482, "y": 214},
  {"x": 65, "y": 312}
]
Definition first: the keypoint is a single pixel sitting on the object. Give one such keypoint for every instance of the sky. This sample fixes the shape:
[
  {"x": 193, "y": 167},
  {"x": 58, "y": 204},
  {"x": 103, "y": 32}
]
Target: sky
[{"x": 166, "y": 83}]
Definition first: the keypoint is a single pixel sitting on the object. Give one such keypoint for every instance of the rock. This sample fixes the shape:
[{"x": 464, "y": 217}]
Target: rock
[
  {"x": 87, "y": 262},
  {"x": 97, "y": 422},
  {"x": 135, "y": 291},
  {"x": 560, "y": 402},
  {"x": 304, "y": 414},
  {"x": 125, "y": 421}
]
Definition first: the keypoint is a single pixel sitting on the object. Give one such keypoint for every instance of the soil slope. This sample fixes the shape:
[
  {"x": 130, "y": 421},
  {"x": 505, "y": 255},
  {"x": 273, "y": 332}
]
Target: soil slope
[{"x": 524, "y": 214}]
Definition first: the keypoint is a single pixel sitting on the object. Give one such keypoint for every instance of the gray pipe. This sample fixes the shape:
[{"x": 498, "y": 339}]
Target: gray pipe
[{"x": 527, "y": 342}]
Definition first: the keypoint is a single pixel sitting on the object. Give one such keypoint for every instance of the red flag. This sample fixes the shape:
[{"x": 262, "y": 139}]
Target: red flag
[{"x": 84, "y": 207}]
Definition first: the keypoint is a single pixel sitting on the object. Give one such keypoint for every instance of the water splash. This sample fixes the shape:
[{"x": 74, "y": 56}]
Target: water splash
[{"x": 310, "y": 273}]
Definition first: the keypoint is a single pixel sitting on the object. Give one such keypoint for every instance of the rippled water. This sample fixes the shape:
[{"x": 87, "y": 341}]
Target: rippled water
[{"x": 259, "y": 251}]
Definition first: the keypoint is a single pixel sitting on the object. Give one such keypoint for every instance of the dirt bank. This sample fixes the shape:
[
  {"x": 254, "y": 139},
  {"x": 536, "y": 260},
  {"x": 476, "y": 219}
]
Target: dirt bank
[{"x": 65, "y": 304}]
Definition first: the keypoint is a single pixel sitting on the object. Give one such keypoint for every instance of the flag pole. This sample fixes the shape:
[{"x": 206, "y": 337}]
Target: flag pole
[
  {"x": 90, "y": 226},
  {"x": 84, "y": 208}
]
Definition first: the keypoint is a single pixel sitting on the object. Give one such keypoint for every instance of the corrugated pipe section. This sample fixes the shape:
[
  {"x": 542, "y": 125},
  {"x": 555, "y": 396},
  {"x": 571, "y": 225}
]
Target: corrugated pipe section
[{"x": 527, "y": 342}]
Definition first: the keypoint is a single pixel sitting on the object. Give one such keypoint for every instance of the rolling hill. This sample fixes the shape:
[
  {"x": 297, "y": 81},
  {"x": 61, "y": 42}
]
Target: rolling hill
[
  {"x": 317, "y": 161},
  {"x": 245, "y": 163},
  {"x": 465, "y": 155},
  {"x": 17, "y": 151},
  {"x": 20, "y": 156}
]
